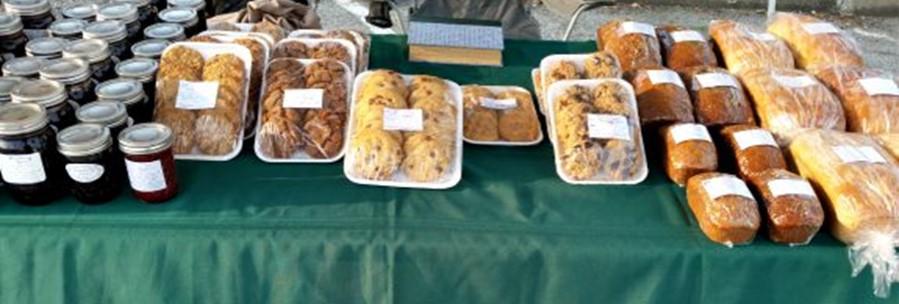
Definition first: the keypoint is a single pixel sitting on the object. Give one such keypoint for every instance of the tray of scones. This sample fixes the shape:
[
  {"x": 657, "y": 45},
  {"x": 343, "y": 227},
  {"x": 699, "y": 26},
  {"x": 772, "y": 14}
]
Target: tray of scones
[{"x": 500, "y": 115}]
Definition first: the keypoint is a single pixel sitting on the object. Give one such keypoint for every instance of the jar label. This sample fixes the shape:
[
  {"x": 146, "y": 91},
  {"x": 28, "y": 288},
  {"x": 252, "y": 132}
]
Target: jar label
[
  {"x": 403, "y": 119},
  {"x": 303, "y": 98},
  {"x": 751, "y": 138},
  {"x": 22, "y": 169},
  {"x": 781, "y": 187},
  {"x": 606, "y": 126},
  {"x": 85, "y": 173},
  {"x": 499, "y": 104},
  {"x": 717, "y": 187},
  {"x": 684, "y": 132},
  {"x": 145, "y": 176},
  {"x": 196, "y": 95}
]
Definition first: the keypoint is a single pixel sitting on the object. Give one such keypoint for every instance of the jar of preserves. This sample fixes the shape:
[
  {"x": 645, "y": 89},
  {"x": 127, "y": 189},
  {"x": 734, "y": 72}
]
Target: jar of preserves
[
  {"x": 114, "y": 33},
  {"x": 167, "y": 31},
  {"x": 83, "y": 11},
  {"x": 126, "y": 13},
  {"x": 31, "y": 167},
  {"x": 197, "y": 5},
  {"x": 149, "y": 161},
  {"x": 151, "y": 49},
  {"x": 25, "y": 67},
  {"x": 69, "y": 29},
  {"x": 6, "y": 85},
  {"x": 110, "y": 114},
  {"x": 93, "y": 165},
  {"x": 146, "y": 11},
  {"x": 143, "y": 71},
  {"x": 186, "y": 17},
  {"x": 12, "y": 39},
  {"x": 35, "y": 14},
  {"x": 52, "y": 96},
  {"x": 129, "y": 93},
  {"x": 46, "y": 47},
  {"x": 75, "y": 75},
  {"x": 96, "y": 53}
]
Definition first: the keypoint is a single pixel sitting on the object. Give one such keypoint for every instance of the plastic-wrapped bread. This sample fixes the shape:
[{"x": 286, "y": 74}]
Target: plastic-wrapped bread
[
  {"x": 683, "y": 48},
  {"x": 661, "y": 96},
  {"x": 724, "y": 207},
  {"x": 633, "y": 43},
  {"x": 793, "y": 214},
  {"x": 788, "y": 101},
  {"x": 743, "y": 49},
  {"x": 480, "y": 123},
  {"x": 754, "y": 150},
  {"x": 815, "y": 43},
  {"x": 870, "y": 97},
  {"x": 689, "y": 151},
  {"x": 890, "y": 142},
  {"x": 718, "y": 97},
  {"x": 858, "y": 181}
]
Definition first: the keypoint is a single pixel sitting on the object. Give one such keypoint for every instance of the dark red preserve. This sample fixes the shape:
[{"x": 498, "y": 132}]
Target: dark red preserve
[{"x": 149, "y": 161}]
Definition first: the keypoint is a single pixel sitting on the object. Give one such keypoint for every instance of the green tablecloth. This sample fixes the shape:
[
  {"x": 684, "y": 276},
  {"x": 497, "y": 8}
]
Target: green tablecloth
[{"x": 510, "y": 232}]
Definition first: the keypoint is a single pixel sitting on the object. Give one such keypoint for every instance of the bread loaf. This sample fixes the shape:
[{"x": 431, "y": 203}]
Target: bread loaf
[
  {"x": 718, "y": 97},
  {"x": 689, "y": 151},
  {"x": 890, "y": 142},
  {"x": 743, "y": 49},
  {"x": 724, "y": 207},
  {"x": 661, "y": 97},
  {"x": 815, "y": 43},
  {"x": 793, "y": 213},
  {"x": 753, "y": 149},
  {"x": 682, "y": 48},
  {"x": 870, "y": 97},
  {"x": 635, "y": 44}
]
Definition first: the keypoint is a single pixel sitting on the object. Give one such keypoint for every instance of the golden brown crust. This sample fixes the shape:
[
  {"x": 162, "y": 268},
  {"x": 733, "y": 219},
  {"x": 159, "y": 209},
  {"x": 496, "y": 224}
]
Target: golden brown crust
[
  {"x": 479, "y": 123},
  {"x": 790, "y": 218},
  {"x": 688, "y": 158},
  {"x": 743, "y": 50},
  {"x": 684, "y": 54},
  {"x": 721, "y": 105},
  {"x": 520, "y": 123},
  {"x": 865, "y": 113},
  {"x": 729, "y": 219},
  {"x": 661, "y": 103},
  {"x": 753, "y": 160},
  {"x": 634, "y": 51}
]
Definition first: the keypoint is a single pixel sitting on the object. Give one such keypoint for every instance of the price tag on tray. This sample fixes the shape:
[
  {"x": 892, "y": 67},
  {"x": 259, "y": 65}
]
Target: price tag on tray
[
  {"x": 499, "y": 104},
  {"x": 403, "y": 119},
  {"x": 605, "y": 126},
  {"x": 196, "y": 95},
  {"x": 303, "y": 98}
]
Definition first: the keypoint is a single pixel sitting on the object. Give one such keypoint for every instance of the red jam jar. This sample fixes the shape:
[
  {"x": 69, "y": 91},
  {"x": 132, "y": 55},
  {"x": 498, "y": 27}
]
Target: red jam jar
[{"x": 149, "y": 161}]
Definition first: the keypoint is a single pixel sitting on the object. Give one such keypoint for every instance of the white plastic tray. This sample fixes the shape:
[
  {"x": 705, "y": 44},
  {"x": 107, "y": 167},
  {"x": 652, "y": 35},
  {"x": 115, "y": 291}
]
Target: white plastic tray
[
  {"x": 400, "y": 180},
  {"x": 498, "y": 90},
  {"x": 301, "y": 156},
  {"x": 208, "y": 50},
  {"x": 539, "y": 90},
  {"x": 556, "y": 90},
  {"x": 349, "y": 46}
]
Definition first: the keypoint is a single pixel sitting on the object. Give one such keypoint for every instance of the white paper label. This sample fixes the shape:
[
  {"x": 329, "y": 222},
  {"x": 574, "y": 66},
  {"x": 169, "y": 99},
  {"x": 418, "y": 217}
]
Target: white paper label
[
  {"x": 794, "y": 81},
  {"x": 303, "y": 98},
  {"x": 711, "y": 80},
  {"x": 196, "y": 95},
  {"x": 499, "y": 104},
  {"x": 145, "y": 176},
  {"x": 244, "y": 27},
  {"x": 22, "y": 169},
  {"x": 686, "y": 36},
  {"x": 781, "y": 187},
  {"x": 684, "y": 132},
  {"x": 879, "y": 86},
  {"x": 85, "y": 173},
  {"x": 820, "y": 28},
  {"x": 664, "y": 76},
  {"x": 871, "y": 155},
  {"x": 762, "y": 36},
  {"x": 849, "y": 154},
  {"x": 751, "y": 138},
  {"x": 403, "y": 119},
  {"x": 629, "y": 27},
  {"x": 605, "y": 126},
  {"x": 724, "y": 186}
]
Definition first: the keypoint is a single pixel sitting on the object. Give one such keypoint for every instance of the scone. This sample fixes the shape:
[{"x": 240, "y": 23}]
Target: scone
[
  {"x": 479, "y": 123},
  {"x": 519, "y": 123}
]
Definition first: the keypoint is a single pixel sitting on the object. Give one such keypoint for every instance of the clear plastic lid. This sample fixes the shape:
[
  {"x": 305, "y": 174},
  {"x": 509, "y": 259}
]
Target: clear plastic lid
[
  {"x": 23, "y": 66},
  {"x": 67, "y": 27},
  {"x": 27, "y": 7},
  {"x": 83, "y": 139},
  {"x": 47, "y": 93},
  {"x": 125, "y": 12},
  {"x": 16, "y": 118},
  {"x": 145, "y": 138},
  {"x": 79, "y": 11},
  {"x": 124, "y": 90},
  {"x": 45, "y": 47},
  {"x": 106, "y": 113},
  {"x": 10, "y": 23},
  {"x": 166, "y": 31},
  {"x": 109, "y": 30},
  {"x": 151, "y": 48},
  {"x": 66, "y": 70},
  {"x": 142, "y": 69},
  {"x": 92, "y": 50}
]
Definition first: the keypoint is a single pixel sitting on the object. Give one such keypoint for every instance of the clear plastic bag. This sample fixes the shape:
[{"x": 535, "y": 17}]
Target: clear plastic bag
[
  {"x": 661, "y": 96},
  {"x": 724, "y": 207},
  {"x": 815, "y": 43},
  {"x": 718, "y": 97},
  {"x": 754, "y": 150},
  {"x": 633, "y": 43},
  {"x": 870, "y": 97},
  {"x": 890, "y": 142},
  {"x": 684, "y": 48},
  {"x": 689, "y": 151},
  {"x": 500, "y": 115},
  {"x": 793, "y": 212},
  {"x": 742, "y": 49}
]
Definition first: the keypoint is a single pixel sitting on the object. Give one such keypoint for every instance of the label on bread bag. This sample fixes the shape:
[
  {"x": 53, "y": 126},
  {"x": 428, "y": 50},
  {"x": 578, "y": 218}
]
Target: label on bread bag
[
  {"x": 196, "y": 95},
  {"x": 879, "y": 86},
  {"x": 871, "y": 155},
  {"x": 794, "y": 81},
  {"x": 499, "y": 104},
  {"x": 781, "y": 187},
  {"x": 717, "y": 187},
  {"x": 751, "y": 138},
  {"x": 853, "y": 154},
  {"x": 684, "y": 132},
  {"x": 303, "y": 98},
  {"x": 762, "y": 36},
  {"x": 664, "y": 76},
  {"x": 816, "y": 28},
  {"x": 712, "y": 80},
  {"x": 606, "y": 126},
  {"x": 687, "y": 36},
  {"x": 22, "y": 169},
  {"x": 630, "y": 27},
  {"x": 403, "y": 119}
]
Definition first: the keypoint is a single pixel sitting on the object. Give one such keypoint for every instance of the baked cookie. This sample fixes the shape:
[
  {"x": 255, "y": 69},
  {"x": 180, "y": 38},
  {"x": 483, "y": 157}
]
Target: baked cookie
[
  {"x": 426, "y": 86},
  {"x": 479, "y": 123},
  {"x": 580, "y": 161},
  {"x": 291, "y": 49},
  {"x": 602, "y": 65},
  {"x": 376, "y": 155},
  {"x": 427, "y": 158},
  {"x": 332, "y": 50},
  {"x": 610, "y": 98},
  {"x": 384, "y": 79},
  {"x": 562, "y": 70}
]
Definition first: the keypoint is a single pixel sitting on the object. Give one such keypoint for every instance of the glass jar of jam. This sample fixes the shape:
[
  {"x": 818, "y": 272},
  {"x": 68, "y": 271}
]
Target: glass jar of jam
[
  {"x": 6, "y": 85},
  {"x": 52, "y": 96},
  {"x": 12, "y": 39},
  {"x": 129, "y": 93},
  {"x": 25, "y": 67},
  {"x": 127, "y": 14},
  {"x": 31, "y": 167},
  {"x": 144, "y": 71},
  {"x": 35, "y": 14},
  {"x": 93, "y": 165},
  {"x": 45, "y": 47},
  {"x": 75, "y": 75},
  {"x": 186, "y": 17},
  {"x": 151, "y": 48},
  {"x": 149, "y": 161},
  {"x": 69, "y": 29},
  {"x": 145, "y": 9},
  {"x": 167, "y": 31},
  {"x": 96, "y": 53},
  {"x": 114, "y": 33},
  {"x": 110, "y": 114},
  {"x": 197, "y": 5},
  {"x": 83, "y": 11}
]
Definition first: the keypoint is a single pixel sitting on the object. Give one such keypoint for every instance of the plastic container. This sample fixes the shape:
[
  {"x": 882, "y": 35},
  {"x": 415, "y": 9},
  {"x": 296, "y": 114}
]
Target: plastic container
[
  {"x": 82, "y": 11},
  {"x": 12, "y": 38},
  {"x": 32, "y": 170},
  {"x": 26, "y": 67},
  {"x": 151, "y": 49},
  {"x": 114, "y": 32},
  {"x": 52, "y": 96},
  {"x": 75, "y": 74},
  {"x": 537, "y": 82},
  {"x": 165, "y": 31},
  {"x": 96, "y": 53},
  {"x": 130, "y": 94},
  {"x": 125, "y": 13},
  {"x": 93, "y": 164},
  {"x": 496, "y": 91},
  {"x": 69, "y": 29},
  {"x": 218, "y": 34},
  {"x": 341, "y": 48},
  {"x": 110, "y": 114},
  {"x": 149, "y": 162}
]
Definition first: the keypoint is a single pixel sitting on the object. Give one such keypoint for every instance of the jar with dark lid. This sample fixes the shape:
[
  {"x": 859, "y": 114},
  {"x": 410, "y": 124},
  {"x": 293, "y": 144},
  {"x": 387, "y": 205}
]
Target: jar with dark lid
[
  {"x": 52, "y": 96},
  {"x": 186, "y": 17},
  {"x": 167, "y": 31},
  {"x": 46, "y": 47},
  {"x": 149, "y": 161},
  {"x": 31, "y": 167},
  {"x": 114, "y": 33},
  {"x": 27, "y": 67},
  {"x": 69, "y": 29},
  {"x": 145, "y": 9},
  {"x": 12, "y": 39},
  {"x": 92, "y": 164},
  {"x": 130, "y": 93},
  {"x": 35, "y": 14},
  {"x": 96, "y": 53},
  {"x": 75, "y": 74},
  {"x": 6, "y": 85},
  {"x": 150, "y": 48},
  {"x": 83, "y": 11},
  {"x": 110, "y": 114},
  {"x": 126, "y": 13},
  {"x": 199, "y": 6}
]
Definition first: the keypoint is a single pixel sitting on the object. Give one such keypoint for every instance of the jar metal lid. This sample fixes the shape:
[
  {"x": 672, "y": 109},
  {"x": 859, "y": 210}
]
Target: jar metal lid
[
  {"x": 10, "y": 23},
  {"x": 27, "y": 7},
  {"x": 107, "y": 113},
  {"x": 124, "y": 90},
  {"x": 6, "y": 85},
  {"x": 80, "y": 11},
  {"x": 23, "y": 66},
  {"x": 195, "y": 4},
  {"x": 67, "y": 27},
  {"x": 48, "y": 47},
  {"x": 92, "y": 50},
  {"x": 138, "y": 3},
  {"x": 47, "y": 93},
  {"x": 66, "y": 70},
  {"x": 185, "y": 16},
  {"x": 151, "y": 48},
  {"x": 125, "y": 12},
  {"x": 83, "y": 139},
  {"x": 167, "y": 31},
  {"x": 109, "y": 30},
  {"x": 142, "y": 69},
  {"x": 145, "y": 138},
  {"x": 18, "y": 118}
]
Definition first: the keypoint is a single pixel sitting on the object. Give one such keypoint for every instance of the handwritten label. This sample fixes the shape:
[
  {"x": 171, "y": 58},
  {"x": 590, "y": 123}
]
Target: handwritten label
[
  {"x": 794, "y": 81},
  {"x": 781, "y": 187},
  {"x": 711, "y": 80},
  {"x": 196, "y": 95},
  {"x": 22, "y": 169},
  {"x": 85, "y": 173},
  {"x": 403, "y": 119},
  {"x": 871, "y": 155},
  {"x": 145, "y": 176},
  {"x": 664, "y": 76},
  {"x": 751, "y": 138},
  {"x": 605, "y": 126},
  {"x": 852, "y": 154},
  {"x": 687, "y": 36},
  {"x": 303, "y": 98},
  {"x": 684, "y": 132},
  {"x": 817, "y": 28},
  {"x": 499, "y": 104},
  {"x": 879, "y": 86},
  {"x": 717, "y": 187},
  {"x": 762, "y": 36},
  {"x": 630, "y": 27}
]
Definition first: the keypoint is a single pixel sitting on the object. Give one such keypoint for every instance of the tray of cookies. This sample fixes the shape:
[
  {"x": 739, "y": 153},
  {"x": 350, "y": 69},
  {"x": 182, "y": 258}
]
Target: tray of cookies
[
  {"x": 201, "y": 94},
  {"x": 303, "y": 115},
  {"x": 362, "y": 41},
  {"x": 559, "y": 67},
  {"x": 405, "y": 131},
  {"x": 597, "y": 129},
  {"x": 317, "y": 48},
  {"x": 500, "y": 116}
]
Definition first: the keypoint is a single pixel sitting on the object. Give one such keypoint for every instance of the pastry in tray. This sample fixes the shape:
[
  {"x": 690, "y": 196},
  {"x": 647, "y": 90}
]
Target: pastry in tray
[
  {"x": 499, "y": 114},
  {"x": 280, "y": 133},
  {"x": 291, "y": 49},
  {"x": 480, "y": 123},
  {"x": 217, "y": 130}
]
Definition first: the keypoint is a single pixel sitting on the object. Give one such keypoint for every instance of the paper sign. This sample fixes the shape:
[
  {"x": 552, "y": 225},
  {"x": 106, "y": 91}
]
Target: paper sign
[
  {"x": 686, "y": 36},
  {"x": 684, "y": 132},
  {"x": 751, "y": 138},
  {"x": 605, "y": 126},
  {"x": 726, "y": 185},
  {"x": 196, "y": 95},
  {"x": 403, "y": 119},
  {"x": 794, "y": 81},
  {"x": 145, "y": 176},
  {"x": 85, "y": 173},
  {"x": 664, "y": 76},
  {"x": 629, "y": 27},
  {"x": 22, "y": 169},
  {"x": 762, "y": 36},
  {"x": 781, "y": 187},
  {"x": 879, "y": 86},
  {"x": 820, "y": 28},
  {"x": 303, "y": 98},
  {"x": 499, "y": 104},
  {"x": 711, "y": 80}
]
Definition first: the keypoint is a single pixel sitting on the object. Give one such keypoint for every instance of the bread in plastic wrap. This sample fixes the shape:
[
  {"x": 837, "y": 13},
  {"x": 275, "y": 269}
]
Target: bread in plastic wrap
[
  {"x": 661, "y": 102},
  {"x": 742, "y": 49},
  {"x": 718, "y": 97},
  {"x": 634, "y": 50},
  {"x": 788, "y": 100},
  {"x": 815, "y": 43},
  {"x": 682, "y": 48},
  {"x": 793, "y": 213},
  {"x": 724, "y": 207},
  {"x": 689, "y": 151},
  {"x": 890, "y": 142},
  {"x": 870, "y": 97},
  {"x": 754, "y": 150}
]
